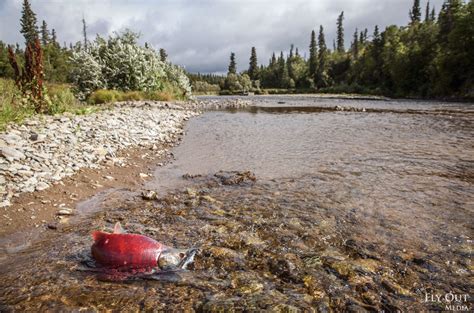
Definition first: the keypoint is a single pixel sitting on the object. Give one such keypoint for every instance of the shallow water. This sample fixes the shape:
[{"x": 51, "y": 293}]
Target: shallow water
[{"x": 350, "y": 211}]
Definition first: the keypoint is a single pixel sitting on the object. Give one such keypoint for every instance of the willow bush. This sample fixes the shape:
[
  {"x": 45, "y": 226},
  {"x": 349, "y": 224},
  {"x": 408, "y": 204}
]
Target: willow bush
[{"x": 120, "y": 63}]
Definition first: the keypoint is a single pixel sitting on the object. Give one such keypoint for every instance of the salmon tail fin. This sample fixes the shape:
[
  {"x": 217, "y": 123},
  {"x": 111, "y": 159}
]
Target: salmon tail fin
[
  {"x": 98, "y": 235},
  {"x": 118, "y": 229}
]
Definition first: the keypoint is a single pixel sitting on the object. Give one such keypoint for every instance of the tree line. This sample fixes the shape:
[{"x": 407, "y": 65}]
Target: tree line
[{"x": 432, "y": 56}]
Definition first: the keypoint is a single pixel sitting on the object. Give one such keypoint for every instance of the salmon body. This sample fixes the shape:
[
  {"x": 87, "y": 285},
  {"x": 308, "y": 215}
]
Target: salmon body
[{"x": 125, "y": 250}]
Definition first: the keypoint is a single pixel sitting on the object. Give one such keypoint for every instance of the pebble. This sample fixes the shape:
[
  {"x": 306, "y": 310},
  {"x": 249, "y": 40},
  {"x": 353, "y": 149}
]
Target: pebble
[
  {"x": 52, "y": 226},
  {"x": 65, "y": 211},
  {"x": 149, "y": 195},
  {"x": 41, "y": 186}
]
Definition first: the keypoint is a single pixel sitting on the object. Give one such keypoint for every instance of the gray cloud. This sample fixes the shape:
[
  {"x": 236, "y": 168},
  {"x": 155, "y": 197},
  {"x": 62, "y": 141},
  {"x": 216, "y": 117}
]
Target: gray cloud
[{"x": 200, "y": 34}]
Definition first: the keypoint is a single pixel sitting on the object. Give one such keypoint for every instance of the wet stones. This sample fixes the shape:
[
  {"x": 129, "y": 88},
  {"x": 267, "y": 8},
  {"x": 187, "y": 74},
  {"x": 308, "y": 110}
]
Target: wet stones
[
  {"x": 149, "y": 195},
  {"x": 221, "y": 252},
  {"x": 218, "y": 305},
  {"x": 246, "y": 282},
  {"x": 208, "y": 104},
  {"x": 227, "y": 178},
  {"x": 349, "y": 109},
  {"x": 285, "y": 269},
  {"x": 235, "y": 177}
]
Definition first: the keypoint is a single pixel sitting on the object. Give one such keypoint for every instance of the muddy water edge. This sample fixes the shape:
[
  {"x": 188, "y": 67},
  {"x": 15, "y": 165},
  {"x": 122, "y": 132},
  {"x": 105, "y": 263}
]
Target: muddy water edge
[{"x": 295, "y": 203}]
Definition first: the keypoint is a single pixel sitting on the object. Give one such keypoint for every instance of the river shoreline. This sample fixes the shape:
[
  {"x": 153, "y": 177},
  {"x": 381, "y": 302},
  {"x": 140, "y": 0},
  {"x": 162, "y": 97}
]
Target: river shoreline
[{"x": 51, "y": 163}]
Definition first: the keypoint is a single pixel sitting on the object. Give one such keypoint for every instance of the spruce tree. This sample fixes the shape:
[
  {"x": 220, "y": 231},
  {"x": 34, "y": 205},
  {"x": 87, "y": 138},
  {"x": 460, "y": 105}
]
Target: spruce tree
[
  {"x": 321, "y": 40},
  {"x": 253, "y": 65},
  {"x": 297, "y": 53},
  {"x": 45, "y": 38},
  {"x": 232, "y": 64},
  {"x": 433, "y": 15},
  {"x": 84, "y": 32},
  {"x": 273, "y": 60},
  {"x": 361, "y": 38},
  {"x": 446, "y": 18},
  {"x": 376, "y": 34},
  {"x": 29, "y": 29},
  {"x": 289, "y": 62},
  {"x": 283, "y": 72},
  {"x": 355, "y": 44},
  {"x": 427, "y": 12},
  {"x": 321, "y": 80},
  {"x": 415, "y": 12},
  {"x": 54, "y": 39},
  {"x": 163, "y": 55},
  {"x": 313, "y": 56},
  {"x": 340, "y": 33}
]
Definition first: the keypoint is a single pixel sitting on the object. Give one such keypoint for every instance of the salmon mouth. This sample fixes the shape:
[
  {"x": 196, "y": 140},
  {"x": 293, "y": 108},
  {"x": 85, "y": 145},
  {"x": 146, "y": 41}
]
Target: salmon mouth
[
  {"x": 175, "y": 259},
  {"x": 188, "y": 258}
]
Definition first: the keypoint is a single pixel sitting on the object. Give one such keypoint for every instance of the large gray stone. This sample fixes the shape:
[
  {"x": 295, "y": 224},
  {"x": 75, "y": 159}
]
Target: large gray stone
[{"x": 11, "y": 154}]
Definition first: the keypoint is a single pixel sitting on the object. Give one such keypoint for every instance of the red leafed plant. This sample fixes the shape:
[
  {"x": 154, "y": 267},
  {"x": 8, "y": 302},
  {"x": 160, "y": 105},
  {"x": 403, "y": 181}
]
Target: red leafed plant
[{"x": 29, "y": 79}]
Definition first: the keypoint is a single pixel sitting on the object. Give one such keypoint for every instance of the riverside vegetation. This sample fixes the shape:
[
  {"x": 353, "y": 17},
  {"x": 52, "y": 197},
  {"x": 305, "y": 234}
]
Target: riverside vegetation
[
  {"x": 47, "y": 78},
  {"x": 431, "y": 57}
]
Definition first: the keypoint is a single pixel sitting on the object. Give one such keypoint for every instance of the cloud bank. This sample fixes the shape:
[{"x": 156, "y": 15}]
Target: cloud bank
[{"x": 200, "y": 34}]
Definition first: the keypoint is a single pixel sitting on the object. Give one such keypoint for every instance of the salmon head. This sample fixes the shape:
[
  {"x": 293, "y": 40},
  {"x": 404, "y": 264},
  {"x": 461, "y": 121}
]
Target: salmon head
[{"x": 171, "y": 259}]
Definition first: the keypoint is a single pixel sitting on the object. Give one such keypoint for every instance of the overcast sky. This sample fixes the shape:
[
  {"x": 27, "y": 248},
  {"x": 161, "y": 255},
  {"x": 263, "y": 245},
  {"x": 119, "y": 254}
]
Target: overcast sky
[{"x": 200, "y": 34}]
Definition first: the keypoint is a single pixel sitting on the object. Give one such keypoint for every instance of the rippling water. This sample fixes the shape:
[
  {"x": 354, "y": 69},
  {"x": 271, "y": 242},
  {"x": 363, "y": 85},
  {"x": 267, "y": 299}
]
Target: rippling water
[
  {"x": 351, "y": 211},
  {"x": 300, "y": 142}
]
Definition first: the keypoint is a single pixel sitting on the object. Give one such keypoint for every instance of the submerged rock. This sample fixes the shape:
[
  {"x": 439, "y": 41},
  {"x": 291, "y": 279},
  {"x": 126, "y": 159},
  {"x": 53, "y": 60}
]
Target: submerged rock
[
  {"x": 284, "y": 269},
  {"x": 149, "y": 195},
  {"x": 235, "y": 177}
]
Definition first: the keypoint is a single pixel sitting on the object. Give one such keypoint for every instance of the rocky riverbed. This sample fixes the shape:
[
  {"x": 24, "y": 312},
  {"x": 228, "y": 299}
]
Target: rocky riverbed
[
  {"x": 45, "y": 149},
  {"x": 264, "y": 246}
]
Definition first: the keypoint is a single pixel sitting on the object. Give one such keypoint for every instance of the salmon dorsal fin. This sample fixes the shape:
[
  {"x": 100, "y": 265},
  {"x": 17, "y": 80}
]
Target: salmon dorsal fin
[{"x": 118, "y": 229}]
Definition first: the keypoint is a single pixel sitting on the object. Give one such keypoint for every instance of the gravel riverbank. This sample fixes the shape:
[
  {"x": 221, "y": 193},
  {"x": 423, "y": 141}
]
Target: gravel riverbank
[{"x": 45, "y": 149}]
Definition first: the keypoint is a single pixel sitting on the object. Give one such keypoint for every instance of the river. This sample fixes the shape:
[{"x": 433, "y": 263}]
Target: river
[{"x": 357, "y": 204}]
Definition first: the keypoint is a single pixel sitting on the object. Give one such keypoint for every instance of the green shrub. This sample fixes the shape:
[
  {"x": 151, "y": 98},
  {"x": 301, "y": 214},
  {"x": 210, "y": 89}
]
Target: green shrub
[
  {"x": 159, "y": 96},
  {"x": 104, "y": 96},
  {"x": 12, "y": 107},
  {"x": 61, "y": 98},
  {"x": 132, "y": 96},
  {"x": 170, "y": 92}
]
